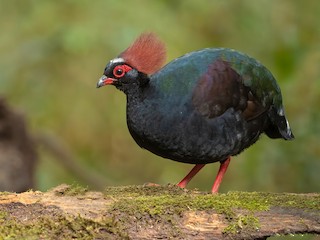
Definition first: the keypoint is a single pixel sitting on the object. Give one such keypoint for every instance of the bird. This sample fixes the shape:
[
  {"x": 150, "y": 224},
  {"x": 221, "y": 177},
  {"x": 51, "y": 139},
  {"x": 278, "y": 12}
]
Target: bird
[{"x": 203, "y": 107}]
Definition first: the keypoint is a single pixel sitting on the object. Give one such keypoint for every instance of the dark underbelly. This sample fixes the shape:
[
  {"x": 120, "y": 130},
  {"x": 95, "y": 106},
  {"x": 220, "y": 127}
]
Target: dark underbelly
[{"x": 198, "y": 140}]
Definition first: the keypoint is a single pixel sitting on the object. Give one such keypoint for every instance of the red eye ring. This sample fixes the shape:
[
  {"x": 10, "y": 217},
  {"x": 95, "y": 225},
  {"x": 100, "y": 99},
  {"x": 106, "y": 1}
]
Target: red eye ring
[{"x": 120, "y": 70}]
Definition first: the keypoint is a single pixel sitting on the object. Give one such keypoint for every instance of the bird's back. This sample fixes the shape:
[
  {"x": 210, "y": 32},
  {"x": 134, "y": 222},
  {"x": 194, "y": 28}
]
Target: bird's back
[{"x": 177, "y": 79}]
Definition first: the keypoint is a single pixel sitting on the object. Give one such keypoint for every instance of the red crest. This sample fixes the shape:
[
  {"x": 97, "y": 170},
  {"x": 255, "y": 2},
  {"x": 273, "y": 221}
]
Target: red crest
[{"x": 147, "y": 54}]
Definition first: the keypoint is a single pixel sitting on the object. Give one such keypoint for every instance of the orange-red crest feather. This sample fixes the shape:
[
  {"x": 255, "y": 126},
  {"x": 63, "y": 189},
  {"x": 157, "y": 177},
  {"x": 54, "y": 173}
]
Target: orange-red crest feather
[{"x": 147, "y": 54}]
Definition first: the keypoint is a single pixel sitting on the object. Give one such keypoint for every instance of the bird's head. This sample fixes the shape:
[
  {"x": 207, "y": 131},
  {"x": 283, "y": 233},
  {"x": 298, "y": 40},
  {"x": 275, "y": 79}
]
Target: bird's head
[{"x": 133, "y": 66}]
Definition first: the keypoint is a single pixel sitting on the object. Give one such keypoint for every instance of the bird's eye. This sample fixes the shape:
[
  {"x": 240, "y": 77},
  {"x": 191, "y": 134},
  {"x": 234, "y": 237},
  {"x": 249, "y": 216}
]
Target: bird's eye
[{"x": 119, "y": 71}]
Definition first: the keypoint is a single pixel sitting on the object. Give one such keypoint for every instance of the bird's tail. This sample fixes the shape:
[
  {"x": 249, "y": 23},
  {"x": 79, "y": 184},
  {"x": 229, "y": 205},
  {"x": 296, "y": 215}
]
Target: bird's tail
[{"x": 279, "y": 126}]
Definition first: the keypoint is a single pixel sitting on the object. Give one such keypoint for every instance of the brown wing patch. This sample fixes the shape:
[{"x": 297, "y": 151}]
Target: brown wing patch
[
  {"x": 253, "y": 109},
  {"x": 218, "y": 89},
  {"x": 221, "y": 88}
]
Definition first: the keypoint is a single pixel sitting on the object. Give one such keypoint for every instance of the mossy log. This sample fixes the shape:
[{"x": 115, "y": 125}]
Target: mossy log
[{"x": 155, "y": 212}]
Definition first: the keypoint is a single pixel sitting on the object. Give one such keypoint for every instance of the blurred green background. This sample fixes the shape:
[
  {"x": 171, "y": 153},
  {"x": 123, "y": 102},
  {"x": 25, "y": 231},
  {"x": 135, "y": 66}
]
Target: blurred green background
[{"x": 53, "y": 52}]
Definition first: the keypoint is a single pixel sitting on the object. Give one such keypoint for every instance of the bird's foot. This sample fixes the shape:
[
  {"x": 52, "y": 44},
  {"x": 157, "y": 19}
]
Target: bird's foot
[
  {"x": 222, "y": 170},
  {"x": 184, "y": 182}
]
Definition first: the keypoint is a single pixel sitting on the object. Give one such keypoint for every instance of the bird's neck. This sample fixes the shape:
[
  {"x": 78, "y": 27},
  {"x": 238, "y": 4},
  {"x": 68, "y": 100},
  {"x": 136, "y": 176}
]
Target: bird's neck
[
  {"x": 134, "y": 94},
  {"x": 140, "y": 101},
  {"x": 135, "y": 108},
  {"x": 136, "y": 90}
]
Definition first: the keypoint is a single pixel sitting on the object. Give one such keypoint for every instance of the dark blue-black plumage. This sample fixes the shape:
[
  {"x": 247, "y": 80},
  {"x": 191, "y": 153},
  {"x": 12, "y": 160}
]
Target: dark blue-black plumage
[{"x": 200, "y": 108}]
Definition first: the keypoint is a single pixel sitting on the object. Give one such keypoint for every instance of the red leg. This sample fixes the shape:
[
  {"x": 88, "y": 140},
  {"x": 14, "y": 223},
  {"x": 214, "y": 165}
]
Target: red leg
[
  {"x": 183, "y": 183},
  {"x": 222, "y": 170}
]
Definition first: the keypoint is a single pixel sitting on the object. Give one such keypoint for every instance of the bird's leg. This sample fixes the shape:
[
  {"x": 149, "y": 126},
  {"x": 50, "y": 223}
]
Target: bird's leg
[
  {"x": 222, "y": 170},
  {"x": 183, "y": 183}
]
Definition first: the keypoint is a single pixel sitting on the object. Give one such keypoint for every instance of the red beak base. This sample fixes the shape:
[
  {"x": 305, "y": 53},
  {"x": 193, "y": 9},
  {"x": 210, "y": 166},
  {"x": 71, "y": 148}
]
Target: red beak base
[{"x": 104, "y": 80}]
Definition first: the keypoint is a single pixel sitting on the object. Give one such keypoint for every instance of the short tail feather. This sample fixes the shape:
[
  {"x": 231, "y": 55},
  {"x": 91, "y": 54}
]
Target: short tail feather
[{"x": 279, "y": 126}]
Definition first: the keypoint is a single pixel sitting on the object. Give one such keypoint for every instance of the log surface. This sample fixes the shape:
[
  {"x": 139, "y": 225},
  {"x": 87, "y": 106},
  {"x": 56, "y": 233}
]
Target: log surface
[{"x": 155, "y": 212}]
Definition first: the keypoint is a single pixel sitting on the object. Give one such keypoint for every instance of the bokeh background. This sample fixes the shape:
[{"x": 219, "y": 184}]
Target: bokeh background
[{"x": 53, "y": 52}]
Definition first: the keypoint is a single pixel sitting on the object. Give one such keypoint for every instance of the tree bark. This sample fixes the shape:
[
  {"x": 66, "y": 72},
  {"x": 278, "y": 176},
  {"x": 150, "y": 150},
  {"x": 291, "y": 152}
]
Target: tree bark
[
  {"x": 18, "y": 156},
  {"x": 155, "y": 212}
]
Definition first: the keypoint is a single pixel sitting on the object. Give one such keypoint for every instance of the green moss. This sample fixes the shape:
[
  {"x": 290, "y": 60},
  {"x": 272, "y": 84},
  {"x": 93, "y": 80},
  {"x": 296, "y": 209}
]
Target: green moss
[
  {"x": 166, "y": 201},
  {"x": 286, "y": 200},
  {"x": 144, "y": 190},
  {"x": 5, "y": 193},
  {"x": 161, "y": 205},
  {"x": 48, "y": 227},
  {"x": 159, "y": 200},
  {"x": 164, "y": 205},
  {"x": 71, "y": 190},
  {"x": 242, "y": 222}
]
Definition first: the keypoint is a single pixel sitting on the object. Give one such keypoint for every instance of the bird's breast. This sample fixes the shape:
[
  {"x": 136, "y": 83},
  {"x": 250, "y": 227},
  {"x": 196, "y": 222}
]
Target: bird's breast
[{"x": 184, "y": 135}]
